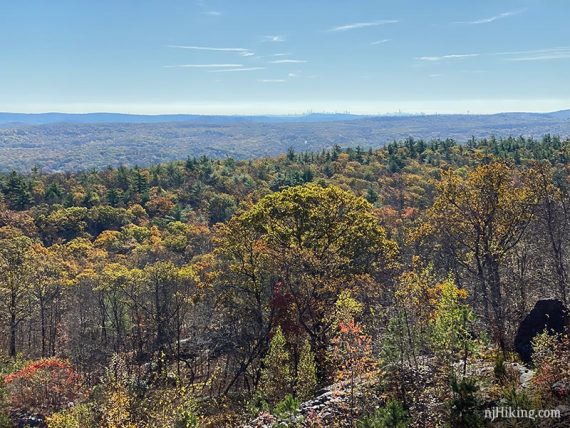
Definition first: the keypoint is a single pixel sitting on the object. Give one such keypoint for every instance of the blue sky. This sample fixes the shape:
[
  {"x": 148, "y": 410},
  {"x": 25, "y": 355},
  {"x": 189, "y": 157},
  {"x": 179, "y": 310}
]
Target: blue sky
[{"x": 284, "y": 56}]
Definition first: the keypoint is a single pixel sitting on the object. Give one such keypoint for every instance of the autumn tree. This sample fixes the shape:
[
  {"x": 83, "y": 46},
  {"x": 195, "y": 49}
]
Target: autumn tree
[
  {"x": 48, "y": 278},
  {"x": 16, "y": 270},
  {"x": 479, "y": 219},
  {"x": 406, "y": 334},
  {"x": 351, "y": 352},
  {"x": 452, "y": 326},
  {"x": 554, "y": 213},
  {"x": 315, "y": 241}
]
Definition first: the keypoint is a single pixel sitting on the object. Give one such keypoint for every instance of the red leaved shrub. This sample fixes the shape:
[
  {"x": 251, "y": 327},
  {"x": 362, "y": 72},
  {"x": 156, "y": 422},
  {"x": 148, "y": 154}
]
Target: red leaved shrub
[{"x": 43, "y": 387}]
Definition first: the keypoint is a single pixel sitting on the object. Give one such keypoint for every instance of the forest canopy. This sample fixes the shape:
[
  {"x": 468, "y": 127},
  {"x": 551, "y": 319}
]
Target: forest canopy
[{"x": 212, "y": 292}]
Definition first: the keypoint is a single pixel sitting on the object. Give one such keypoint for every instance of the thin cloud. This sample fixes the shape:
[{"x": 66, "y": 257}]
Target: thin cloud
[
  {"x": 212, "y": 13},
  {"x": 274, "y": 39},
  {"x": 357, "y": 25},
  {"x": 537, "y": 55},
  {"x": 273, "y": 80},
  {"x": 493, "y": 18},
  {"x": 288, "y": 61},
  {"x": 204, "y": 66},
  {"x": 247, "y": 53},
  {"x": 209, "y": 48},
  {"x": 532, "y": 51},
  {"x": 444, "y": 57},
  {"x": 281, "y": 54},
  {"x": 231, "y": 70},
  {"x": 380, "y": 42},
  {"x": 524, "y": 55},
  {"x": 542, "y": 57}
]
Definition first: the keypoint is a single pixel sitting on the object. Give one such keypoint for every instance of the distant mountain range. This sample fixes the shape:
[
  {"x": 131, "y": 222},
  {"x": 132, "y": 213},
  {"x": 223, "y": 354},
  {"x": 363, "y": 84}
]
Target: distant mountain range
[
  {"x": 94, "y": 118},
  {"x": 47, "y": 118},
  {"x": 61, "y": 142}
]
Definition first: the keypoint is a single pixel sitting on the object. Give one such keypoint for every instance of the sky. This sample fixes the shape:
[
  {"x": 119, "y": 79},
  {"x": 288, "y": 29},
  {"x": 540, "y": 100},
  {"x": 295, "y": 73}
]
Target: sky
[{"x": 284, "y": 56}]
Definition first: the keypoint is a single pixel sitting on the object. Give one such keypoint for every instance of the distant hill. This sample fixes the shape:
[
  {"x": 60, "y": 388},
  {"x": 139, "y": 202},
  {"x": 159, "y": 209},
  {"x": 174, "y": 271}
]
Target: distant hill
[
  {"x": 61, "y": 142},
  {"x": 94, "y": 118},
  {"x": 49, "y": 118}
]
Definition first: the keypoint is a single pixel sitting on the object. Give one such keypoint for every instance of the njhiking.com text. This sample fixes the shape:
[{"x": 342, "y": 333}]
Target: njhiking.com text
[{"x": 496, "y": 413}]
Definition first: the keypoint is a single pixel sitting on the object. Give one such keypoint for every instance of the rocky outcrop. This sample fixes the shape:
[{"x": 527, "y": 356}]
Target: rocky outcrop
[
  {"x": 328, "y": 408},
  {"x": 547, "y": 314}
]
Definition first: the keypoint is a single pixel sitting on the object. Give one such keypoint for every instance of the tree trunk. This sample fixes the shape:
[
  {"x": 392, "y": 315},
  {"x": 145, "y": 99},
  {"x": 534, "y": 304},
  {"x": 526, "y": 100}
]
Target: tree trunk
[
  {"x": 13, "y": 324},
  {"x": 13, "y": 332},
  {"x": 43, "y": 325},
  {"x": 494, "y": 281}
]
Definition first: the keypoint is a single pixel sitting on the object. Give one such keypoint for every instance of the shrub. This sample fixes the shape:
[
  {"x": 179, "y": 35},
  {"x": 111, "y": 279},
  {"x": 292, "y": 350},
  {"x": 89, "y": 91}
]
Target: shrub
[
  {"x": 168, "y": 407},
  {"x": 465, "y": 408},
  {"x": 116, "y": 408},
  {"x": 287, "y": 407},
  {"x": 79, "y": 416},
  {"x": 4, "y": 418},
  {"x": 551, "y": 357},
  {"x": 499, "y": 369},
  {"x": 257, "y": 404},
  {"x": 43, "y": 387},
  {"x": 393, "y": 415},
  {"x": 519, "y": 400}
]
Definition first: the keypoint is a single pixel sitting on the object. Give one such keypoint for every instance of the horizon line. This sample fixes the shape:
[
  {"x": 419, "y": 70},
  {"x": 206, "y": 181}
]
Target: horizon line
[{"x": 291, "y": 114}]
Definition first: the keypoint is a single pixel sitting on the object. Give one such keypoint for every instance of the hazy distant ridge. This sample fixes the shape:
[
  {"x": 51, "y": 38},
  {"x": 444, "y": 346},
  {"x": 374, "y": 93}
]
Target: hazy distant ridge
[
  {"x": 47, "y": 118},
  {"x": 94, "y": 118},
  {"x": 100, "y": 139}
]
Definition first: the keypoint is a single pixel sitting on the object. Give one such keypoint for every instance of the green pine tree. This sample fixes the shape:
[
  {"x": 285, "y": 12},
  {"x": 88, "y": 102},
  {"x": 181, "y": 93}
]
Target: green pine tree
[
  {"x": 17, "y": 192},
  {"x": 276, "y": 372},
  {"x": 306, "y": 381}
]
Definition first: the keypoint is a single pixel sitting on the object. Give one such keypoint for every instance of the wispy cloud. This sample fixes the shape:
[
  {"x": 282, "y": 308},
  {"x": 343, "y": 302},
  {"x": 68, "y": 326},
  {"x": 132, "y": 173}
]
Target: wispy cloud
[
  {"x": 247, "y": 53},
  {"x": 493, "y": 18},
  {"x": 380, "y": 42},
  {"x": 231, "y": 70},
  {"x": 209, "y": 48},
  {"x": 537, "y": 55},
  {"x": 357, "y": 25},
  {"x": 524, "y": 55},
  {"x": 542, "y": 57},
  {"x": 281, "y": 54},
  {"x": 274, "y": 39},
  {"x": 288, "y": 61},
  {"x": 444, "y": 57},
  {"x": 212, "y": 13},
  {"x": 204, "y": 66},
  {"x": 273, "y": 80}
]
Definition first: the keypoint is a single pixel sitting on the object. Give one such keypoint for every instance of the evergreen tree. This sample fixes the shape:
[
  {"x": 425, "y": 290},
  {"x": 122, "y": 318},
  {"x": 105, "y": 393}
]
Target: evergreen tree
[
  {"x": 113, "y": 197},
  {"x": 140, "y": 182},
  {"x": 372, "y": 195},
  {"x": 306, "y": 381},
  {"x": 17, "y": 192},
  {"x": 276, "y": 372},
  {"x": 291, "y": 154}
]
